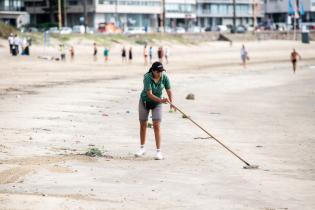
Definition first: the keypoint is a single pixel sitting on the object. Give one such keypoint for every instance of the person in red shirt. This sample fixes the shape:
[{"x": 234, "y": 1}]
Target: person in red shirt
[{"x": 294, "y": 57}]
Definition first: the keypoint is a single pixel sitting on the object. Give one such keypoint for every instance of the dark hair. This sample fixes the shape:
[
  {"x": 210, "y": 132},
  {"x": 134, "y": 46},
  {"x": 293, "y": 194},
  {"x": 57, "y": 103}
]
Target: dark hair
[{"x": 156, "y": 66}]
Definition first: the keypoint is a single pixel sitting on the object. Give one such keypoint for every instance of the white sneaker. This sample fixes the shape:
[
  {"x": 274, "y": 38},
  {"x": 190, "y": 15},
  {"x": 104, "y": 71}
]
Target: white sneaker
[
  {"x": 140, "y": 153},
  {"x": 158, "y": 156}
]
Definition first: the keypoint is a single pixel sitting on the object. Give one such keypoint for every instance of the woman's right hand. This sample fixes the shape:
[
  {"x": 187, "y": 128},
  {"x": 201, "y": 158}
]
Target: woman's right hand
[{"x": 165, "y": 100}]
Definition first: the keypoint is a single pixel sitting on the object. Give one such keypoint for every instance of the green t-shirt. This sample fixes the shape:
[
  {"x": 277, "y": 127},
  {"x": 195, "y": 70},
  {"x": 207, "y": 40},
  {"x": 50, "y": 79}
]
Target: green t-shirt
[{"x": 157, "y": 88}]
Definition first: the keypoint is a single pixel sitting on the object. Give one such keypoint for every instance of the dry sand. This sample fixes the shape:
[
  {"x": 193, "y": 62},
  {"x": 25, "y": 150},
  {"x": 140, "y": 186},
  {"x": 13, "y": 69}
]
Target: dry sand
[{"x": 51, "y": 112}]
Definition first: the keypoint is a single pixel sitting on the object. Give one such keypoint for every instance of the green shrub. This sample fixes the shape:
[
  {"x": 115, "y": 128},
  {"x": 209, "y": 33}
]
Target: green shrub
[
  {"x": 94, "y": 152},
  {"x": 5, "y": 30},
  {"x": 48, "y": 25}
]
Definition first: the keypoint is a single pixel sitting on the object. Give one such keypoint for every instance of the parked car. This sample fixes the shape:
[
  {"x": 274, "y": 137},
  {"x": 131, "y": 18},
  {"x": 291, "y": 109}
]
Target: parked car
[
  {"x": 221, "y": 28},
  {"x": 309, "y": 26},
  {"x": 65, "y": 30},
  {"x": 249, "y": 28},
  {"x": 281, "y": 27},
  {"x": 53, "y": 30},
  {"x": 180, "y": 30},
  {"x": 78, "y": 29},
  {"x": 207, "y": 29},
  {"x": 28, "y": 29},
  {"x": 135, "y": 30},
  {"x": 169, "y": 30},
  {"x": 91, "y": 30},
  {"x": 194, "y": 29},
  {"x": 240, "y": 29}
]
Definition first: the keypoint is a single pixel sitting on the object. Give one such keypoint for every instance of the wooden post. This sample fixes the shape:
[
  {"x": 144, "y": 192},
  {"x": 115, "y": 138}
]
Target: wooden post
[{"x": 59, "y": 15}]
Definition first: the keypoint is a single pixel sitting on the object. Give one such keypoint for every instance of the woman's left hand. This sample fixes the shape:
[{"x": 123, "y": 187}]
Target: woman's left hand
[{"x": 173, "y": 108}]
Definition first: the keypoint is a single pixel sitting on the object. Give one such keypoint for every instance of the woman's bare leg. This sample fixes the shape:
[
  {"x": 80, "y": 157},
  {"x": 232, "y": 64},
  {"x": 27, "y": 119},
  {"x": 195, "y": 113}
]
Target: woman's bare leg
[
  {"x": 157, "y": 133},
  {"x": 143, "y": 131}
]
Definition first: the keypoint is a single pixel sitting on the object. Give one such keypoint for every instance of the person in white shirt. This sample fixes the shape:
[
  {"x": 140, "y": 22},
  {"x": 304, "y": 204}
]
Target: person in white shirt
[
  {"x": 244, "y": 55},
  {"x": 167, "y": 54},
  {"x": 11, "y": 42},
  {"x": 16, "y": 44}
]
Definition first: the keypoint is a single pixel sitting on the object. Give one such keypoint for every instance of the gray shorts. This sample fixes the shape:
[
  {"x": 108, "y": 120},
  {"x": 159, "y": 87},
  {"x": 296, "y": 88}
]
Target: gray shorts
[{"x": 144, "y": 113}]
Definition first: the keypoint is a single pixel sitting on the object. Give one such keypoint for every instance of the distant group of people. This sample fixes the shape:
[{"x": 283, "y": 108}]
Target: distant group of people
[
  {"x": 162, "y": 53},
  {"x": 15, "y": 43},
  {"x": 124, "y": 55},
  {"x": 62, "y": 51},
  {"x": 127, "y": 54}
]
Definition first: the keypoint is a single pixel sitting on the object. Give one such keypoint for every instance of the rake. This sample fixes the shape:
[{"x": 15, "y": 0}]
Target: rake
[{"x": 247, "y": 166}]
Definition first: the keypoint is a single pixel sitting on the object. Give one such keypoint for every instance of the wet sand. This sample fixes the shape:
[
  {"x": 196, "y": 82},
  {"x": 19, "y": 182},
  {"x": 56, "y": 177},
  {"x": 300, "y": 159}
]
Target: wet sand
[{"x": 52, "y": 112}]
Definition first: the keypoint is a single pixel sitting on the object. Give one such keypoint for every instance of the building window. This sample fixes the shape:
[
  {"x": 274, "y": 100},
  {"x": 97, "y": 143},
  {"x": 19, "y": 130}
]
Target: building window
[
  {"x": 11, "y": 5},
  {"x": 180, "y": 8}
]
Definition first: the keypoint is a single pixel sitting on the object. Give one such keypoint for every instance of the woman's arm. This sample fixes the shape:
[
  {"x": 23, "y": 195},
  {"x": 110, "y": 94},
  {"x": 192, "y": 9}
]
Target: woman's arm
[
  {"x": 170, "y": 96},
  {"x": 156, "y": 99}
]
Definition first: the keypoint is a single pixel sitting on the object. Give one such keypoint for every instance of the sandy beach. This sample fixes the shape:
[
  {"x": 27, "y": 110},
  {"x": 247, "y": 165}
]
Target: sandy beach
[{"x": 52, "y": 112}]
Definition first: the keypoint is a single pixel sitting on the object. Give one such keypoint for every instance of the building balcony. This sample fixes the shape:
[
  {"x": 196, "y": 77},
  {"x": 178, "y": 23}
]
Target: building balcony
[{"x": 128, "y": 9}]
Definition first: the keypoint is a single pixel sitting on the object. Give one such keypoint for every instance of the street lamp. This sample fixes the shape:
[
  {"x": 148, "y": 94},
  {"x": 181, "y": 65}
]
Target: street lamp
[{"x": 234, "y": 16}]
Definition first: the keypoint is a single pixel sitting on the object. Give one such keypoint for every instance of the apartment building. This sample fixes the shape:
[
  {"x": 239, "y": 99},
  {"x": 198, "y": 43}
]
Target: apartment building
[
  {"x": 146, "y": 13},
  {"x": 13, "y": 12},
  {"x": 220, "y": 12},
  {"x": 180, "y": 13},
  {"x": 128, "y": 13},
  {"x": 74, "y": 12},
  {"x": 284, "y": 10}
]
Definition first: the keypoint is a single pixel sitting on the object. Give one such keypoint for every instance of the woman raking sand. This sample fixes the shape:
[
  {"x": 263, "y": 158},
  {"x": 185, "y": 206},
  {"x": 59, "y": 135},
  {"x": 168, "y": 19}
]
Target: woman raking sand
[{"x": 151, "y": 100}]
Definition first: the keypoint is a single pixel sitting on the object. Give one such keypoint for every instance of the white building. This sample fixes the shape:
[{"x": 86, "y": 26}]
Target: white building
[
  {"x": 279, "y": 11},
  {"x": 147, "y": 14},
  {"x": 12, "y": 12},
  {"x": 128, "y": 13},
  {"x": 220, "y": 12}
]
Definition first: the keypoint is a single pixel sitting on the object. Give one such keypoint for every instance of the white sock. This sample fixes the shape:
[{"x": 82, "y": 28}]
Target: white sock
[
  {"x": 142, "y": 146},
  {"x": 158, "y": 150}
]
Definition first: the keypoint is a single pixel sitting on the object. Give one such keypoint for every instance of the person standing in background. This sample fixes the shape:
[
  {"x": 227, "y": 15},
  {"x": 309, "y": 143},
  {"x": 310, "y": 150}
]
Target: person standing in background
[
  {"x": 130, "y": 55},
  {"x": 151, "y": 54},
  {"x": 94, "y": 51},
  {"x": 62, "y": 52},
  {"x": 16, "y": 44},
  {"x": 160, "y": 54},
  {"x": 71, "y": 53},
  {"x": 11, "y": 43},
  {"x": 294, "y": 58},
  {"x": 145, "y": 55},
  {"x": 167, "y": 53},
  {"x": 244, "y": 56},
  {"x": 123, "y": 55},
  {"x": 106, "y": 54}
]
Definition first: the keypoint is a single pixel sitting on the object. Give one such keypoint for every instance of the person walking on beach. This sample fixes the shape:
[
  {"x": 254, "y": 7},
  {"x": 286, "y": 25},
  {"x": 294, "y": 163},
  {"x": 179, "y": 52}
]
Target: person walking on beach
[
  {"x": 244, "y": 56},
  {"x": 145, "y": 55},
  {"x": 11, "y": 43},
  {"x": 62, "y": 52},
  {"x": 151, "y": 54},
  {"x": 160, "y": 54},
  {"x": 94, "y": 51},
  {"x": 71, "y": 50},
  {"x": 123, "y": 55},
  {"x": 167, "y": 53},
  {"x": 294, "y": 58},
  {"x": 16, "y": 45},
  {"x": 25, "y": 47},
  {"x": 130, "y": 55},
  {"x": 151, "y": 100},
  {"x": 106, "y": 54}
]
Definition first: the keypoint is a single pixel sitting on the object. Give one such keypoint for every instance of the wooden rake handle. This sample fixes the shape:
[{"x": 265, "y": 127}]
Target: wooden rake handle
[{"x": 209, "y": 134}]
